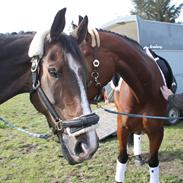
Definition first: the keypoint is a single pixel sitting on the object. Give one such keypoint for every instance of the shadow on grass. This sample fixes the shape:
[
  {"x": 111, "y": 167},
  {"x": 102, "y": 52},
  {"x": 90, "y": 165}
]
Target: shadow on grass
[
  {"x": 164, "y": 156},
  {"x": 178, "y": 125},
  {"x": 167, "y": 156}
]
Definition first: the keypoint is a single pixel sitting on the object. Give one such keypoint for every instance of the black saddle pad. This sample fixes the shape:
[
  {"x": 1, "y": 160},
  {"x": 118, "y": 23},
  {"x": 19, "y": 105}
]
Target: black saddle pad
[{"x": 167, "y": 71}]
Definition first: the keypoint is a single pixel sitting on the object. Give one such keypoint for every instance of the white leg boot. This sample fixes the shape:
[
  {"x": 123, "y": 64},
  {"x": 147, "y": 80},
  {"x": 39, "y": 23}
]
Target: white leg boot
[
  {"x": 154, "y": 174},
  {"x": 120, "y": 172},
  {"x": 137, "y": 150},
  {"x": 137, "y": 144}
]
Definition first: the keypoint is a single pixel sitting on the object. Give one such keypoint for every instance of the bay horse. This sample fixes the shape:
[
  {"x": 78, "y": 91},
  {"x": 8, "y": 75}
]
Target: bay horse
[
  {"x": 116, "y": 82},
  {"x": 51, "y": 68},
  {"x": 107, "y": 53}
]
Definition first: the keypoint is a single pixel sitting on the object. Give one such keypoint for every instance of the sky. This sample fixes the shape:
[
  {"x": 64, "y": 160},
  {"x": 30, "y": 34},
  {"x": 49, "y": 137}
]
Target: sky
[{"x": 34, "y": 15}]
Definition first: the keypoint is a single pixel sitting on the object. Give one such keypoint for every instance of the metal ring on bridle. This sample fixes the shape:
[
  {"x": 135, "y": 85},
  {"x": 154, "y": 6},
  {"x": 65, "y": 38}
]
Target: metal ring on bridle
[
  {"x": 36, "y": 85},
  {"x": 96, "y": 63},
  {"x": 95, "y": 75}
]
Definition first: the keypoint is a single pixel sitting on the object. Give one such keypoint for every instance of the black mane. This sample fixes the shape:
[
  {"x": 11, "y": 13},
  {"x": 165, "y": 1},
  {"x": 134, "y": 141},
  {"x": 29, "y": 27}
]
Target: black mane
[
  {"x": 122, "y": 36},
  {"x": 70, "y": 45},
  {"x": 18, "y": 33}
]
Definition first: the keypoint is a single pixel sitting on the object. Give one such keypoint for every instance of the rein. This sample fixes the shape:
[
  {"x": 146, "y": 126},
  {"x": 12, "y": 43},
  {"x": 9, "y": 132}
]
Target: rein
[
  {"x": 140, "y": 115},
  {"x": 41, "y": 136}
]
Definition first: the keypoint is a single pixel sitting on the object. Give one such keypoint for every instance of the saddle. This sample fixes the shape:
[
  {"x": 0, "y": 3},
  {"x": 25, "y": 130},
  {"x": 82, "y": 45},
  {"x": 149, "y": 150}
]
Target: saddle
[{"x": 166, "y": 70}]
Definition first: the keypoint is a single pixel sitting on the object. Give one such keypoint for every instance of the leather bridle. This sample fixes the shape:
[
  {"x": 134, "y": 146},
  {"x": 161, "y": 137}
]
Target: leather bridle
[
  {"x": 58, "y": 125},
  {"x": 95, "y": 44}
]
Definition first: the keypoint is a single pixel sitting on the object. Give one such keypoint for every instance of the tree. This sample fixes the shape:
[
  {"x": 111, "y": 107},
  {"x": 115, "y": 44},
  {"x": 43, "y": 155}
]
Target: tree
[{"x": 159, "y": 10}]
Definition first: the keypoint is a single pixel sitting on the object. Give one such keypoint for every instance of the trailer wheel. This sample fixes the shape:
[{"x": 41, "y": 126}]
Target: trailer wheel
[{"x": 175, "y": 113}]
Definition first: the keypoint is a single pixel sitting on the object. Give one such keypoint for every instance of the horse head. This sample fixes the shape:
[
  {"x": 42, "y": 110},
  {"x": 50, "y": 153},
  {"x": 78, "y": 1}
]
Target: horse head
[
  {"x": 98, "y": 60},
  {"x": 59, "y": 82}
]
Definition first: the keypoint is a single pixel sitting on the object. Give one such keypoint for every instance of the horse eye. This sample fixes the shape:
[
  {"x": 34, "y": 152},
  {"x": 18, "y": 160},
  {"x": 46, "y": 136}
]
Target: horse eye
[{"x": 53, "y": 72}]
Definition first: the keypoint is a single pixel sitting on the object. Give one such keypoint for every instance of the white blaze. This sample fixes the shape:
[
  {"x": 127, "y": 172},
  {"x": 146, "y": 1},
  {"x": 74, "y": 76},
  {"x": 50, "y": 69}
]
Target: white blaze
[{"x": 84, "y": 100}]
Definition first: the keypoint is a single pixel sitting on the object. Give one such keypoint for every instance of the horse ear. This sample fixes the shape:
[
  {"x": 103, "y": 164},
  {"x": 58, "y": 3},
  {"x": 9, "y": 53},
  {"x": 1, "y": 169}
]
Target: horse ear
[
  {"x": 58, "y": 24},
  {"x": 80, "y": 19},
  {"x": 74, "y": 26},
  {"x": 80, "y": 32}
]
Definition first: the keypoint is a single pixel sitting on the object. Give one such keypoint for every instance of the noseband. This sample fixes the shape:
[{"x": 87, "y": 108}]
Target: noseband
[{"x": 59, "y": 125}]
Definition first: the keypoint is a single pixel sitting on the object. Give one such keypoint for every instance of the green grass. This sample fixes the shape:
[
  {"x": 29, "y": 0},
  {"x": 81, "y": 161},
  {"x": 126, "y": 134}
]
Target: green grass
[{"x": 24, "y": 159}]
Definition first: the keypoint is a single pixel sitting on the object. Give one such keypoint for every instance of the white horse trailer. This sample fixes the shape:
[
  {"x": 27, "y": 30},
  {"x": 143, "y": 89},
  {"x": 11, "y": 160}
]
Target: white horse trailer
[{"x": 166, "y": 39}]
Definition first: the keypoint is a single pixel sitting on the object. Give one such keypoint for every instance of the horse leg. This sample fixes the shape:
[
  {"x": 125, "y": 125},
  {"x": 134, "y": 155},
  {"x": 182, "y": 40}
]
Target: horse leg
[
  {"x": 122, "y": 134},
  {"x": 155, "y": 139},
  {"x": 135, "y": 141},
  {"x": 137, "y": 149},
  {"x": 130, "y": 140}
]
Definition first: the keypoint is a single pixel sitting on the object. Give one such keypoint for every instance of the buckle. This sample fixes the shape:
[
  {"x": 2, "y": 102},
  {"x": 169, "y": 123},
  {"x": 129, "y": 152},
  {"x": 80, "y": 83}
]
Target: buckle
[
  {"x": 58, "y": 125},
  {"x": 36, "y": 85},
  {"x": 35, "y": 62}
]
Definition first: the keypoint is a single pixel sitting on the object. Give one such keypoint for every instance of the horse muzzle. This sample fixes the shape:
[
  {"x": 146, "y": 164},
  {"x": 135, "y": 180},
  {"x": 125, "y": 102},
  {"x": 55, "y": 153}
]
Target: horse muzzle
[{"x": 79, "y": 140}]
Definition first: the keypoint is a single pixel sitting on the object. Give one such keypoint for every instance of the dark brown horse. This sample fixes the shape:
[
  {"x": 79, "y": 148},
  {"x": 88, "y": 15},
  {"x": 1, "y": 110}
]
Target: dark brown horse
[
  {"x": 107, "y": 53},
  {"x": 56, "y": 80}
]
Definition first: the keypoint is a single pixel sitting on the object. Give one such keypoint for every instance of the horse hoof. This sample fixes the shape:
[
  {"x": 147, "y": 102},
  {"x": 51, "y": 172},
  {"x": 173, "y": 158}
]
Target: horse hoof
[{"x": 138, "y": 160}]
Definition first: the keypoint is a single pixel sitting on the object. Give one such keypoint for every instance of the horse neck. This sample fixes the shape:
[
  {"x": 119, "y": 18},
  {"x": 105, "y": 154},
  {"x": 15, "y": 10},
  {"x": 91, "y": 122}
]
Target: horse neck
[
  {"x": 14, "y": 66},
  {"x": 135, "y": 67}
]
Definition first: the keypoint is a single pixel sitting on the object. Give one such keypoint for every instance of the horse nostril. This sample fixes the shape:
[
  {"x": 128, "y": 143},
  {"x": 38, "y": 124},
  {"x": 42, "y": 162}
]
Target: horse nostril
[
  {"x": 81, "y": 147},
  {"x": 84, "y": 147}
]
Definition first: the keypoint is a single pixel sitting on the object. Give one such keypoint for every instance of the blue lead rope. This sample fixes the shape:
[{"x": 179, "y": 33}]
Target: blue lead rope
[{"x": 36, "y": 135}]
